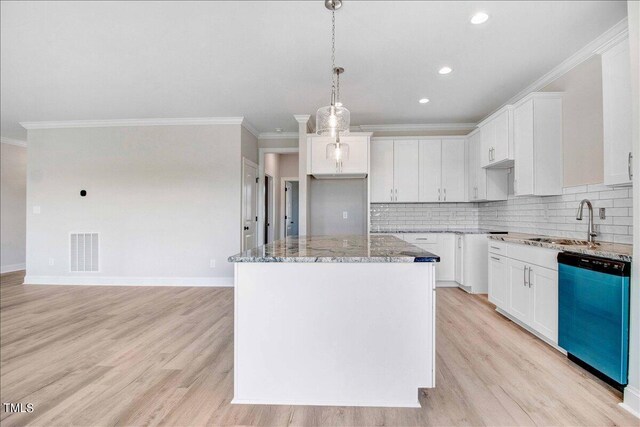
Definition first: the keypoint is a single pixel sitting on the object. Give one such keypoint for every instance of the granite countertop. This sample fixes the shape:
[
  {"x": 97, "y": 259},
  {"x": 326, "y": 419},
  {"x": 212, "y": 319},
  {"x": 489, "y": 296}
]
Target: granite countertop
[
  {"x": 349, "y": 248},
  {"x": 617, "y": 251},
  {"x": 441, "y": 230}
]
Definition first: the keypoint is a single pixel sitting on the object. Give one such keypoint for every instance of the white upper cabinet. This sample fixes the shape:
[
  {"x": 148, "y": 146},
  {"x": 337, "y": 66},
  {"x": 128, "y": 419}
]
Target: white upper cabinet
[
  {"x": 616, "y": 109},
  {"x": 357, "y": 165},
  {"x": 381, "y": 177},
  {"x": 483, "y": 183},
  {"x": 406, "y": 175},
  {"x": 453, "y": 170},
  {"x": 430, "y": 170},
  {"x": 497, "y": 139},
  {"x": 537, "y": 141}
]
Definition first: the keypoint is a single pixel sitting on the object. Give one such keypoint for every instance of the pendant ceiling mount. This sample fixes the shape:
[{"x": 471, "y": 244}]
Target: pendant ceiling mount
[{"x": 333, "y": 4}]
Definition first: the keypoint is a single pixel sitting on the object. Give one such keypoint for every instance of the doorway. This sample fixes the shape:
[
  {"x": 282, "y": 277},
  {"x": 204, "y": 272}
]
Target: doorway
[
  {"x": 269, "y": 210},
  {"x": 249, "y": 204},
  {"x": 290, "y": 197}
]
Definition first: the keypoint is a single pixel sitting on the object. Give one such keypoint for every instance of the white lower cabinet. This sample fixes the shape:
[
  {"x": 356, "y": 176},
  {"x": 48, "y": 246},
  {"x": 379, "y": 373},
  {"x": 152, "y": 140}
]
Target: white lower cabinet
[
  {"x": 523, "y": 282},
  {"x": 441, "y": 244}
]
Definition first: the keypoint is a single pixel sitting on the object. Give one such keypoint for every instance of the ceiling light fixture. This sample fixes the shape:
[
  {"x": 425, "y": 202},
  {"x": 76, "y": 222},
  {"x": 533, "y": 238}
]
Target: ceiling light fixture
[
  {"x": 479, "y": 18},
  {"x": 445, "y": 70},
  {"x": 423, "y": 100},
  {"x": 334, "y": 119}
]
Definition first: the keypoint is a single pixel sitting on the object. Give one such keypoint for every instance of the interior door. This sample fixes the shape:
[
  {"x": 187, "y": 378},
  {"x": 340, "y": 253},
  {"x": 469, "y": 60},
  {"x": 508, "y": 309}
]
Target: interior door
[
  {"x": 453, "y": 170},
  {"x": 430, "y": 170},
  {"x": 406, "y": 165},
  {"x": 381, "y": 176},
  {"x": 518, "y": 290},
  {"x": 249, "y": 205},
  {"x": 544, "y": 300}
]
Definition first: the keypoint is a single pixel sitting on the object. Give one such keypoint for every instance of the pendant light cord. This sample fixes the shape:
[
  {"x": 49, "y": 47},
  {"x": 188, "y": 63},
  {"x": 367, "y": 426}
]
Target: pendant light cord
[{"x": 333, "y": 57}]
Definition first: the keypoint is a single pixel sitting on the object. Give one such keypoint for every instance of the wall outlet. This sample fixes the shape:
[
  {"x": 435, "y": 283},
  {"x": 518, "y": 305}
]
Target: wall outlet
[
  {"x": 51, "y": 261},
  {"x": 345, "y": 215},
  {"x": 36, "y": 210},
  {"x": 603, "y": 213},
  {"x": 212, "y": 263}
]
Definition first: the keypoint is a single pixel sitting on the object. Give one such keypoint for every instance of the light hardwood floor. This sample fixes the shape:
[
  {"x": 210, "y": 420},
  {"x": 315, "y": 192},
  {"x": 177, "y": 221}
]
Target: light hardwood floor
[{"x": 164, "y": 356}]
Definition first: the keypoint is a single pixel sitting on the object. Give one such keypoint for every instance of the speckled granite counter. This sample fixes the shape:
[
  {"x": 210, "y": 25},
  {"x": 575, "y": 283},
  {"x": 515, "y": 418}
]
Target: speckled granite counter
[
  {"x": 336, "y": 249},
  {"x": 615, "y": 251},
  {"x": 440, "y": 230}
]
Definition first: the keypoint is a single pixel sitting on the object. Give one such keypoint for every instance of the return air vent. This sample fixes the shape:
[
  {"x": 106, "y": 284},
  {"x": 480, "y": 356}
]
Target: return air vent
[{"x": 84, "y": 254}]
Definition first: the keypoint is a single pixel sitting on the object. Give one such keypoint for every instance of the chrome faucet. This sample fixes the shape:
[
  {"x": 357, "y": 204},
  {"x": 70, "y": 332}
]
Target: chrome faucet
[{"x": 590, "y": 230}]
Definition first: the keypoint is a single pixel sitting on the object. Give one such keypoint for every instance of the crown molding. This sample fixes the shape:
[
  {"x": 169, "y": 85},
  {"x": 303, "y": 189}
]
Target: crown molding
[
  {"x": 12, "y": 141},
  {"x": 189, "y": 121},
  {"x": 414, "y": 127},
  {"x": 302, "y": 118},
  {"x": 595, "y": 47},
  {"x": 248, "y": 126},
  {"x": 278, "y": 135}
]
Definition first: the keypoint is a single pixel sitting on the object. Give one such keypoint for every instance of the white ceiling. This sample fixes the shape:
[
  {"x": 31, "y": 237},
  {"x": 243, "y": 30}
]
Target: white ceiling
[{"x": 269, "y": 60}]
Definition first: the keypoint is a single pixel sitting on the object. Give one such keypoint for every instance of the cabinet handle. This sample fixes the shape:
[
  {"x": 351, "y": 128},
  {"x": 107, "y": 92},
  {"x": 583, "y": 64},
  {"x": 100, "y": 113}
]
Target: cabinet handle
[
  {"x": 530, "y": 276},
  {"x": 629, "y": 167},
  {"x": 497, "y": 259},
  {"x": 489, "y": 154},
  {"x": 445, "y": 194},
  {"x": 396, "y": 194},
  {"x": 422, "y": 238},
  {"x": 392, "y": 194},
  {"x": 438, "y": 194},
  {"x": 495, "y": 247},
  {"x": 524, "y": 276}
]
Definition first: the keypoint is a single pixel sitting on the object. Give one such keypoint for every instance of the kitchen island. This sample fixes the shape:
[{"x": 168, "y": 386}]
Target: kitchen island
[{"x": 334, "y": 320}]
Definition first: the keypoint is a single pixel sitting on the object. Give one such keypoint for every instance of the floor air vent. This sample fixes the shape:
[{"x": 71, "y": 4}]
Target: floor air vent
[{"x": 85, "y": 252}]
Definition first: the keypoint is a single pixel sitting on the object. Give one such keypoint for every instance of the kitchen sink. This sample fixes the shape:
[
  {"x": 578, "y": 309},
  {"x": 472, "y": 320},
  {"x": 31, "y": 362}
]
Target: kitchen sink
[{"x": 565, "y": 242}]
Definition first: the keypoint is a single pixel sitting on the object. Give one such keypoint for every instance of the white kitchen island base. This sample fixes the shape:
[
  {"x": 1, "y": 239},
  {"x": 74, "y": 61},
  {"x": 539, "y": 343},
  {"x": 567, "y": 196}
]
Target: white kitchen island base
[{"x": 334, "y": 333}]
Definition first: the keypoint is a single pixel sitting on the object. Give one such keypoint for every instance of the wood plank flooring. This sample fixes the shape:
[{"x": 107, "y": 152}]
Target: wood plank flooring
[{"x": 164, "y": 356}]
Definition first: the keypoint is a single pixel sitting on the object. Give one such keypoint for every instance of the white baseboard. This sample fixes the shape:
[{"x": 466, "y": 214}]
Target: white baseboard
[
  {"x": 129, "y": 281},
  {"x": 446, "y": 284},
  {"x": 12, "y": 267},
  {"x": 631, "y": 400},
  {"x": 289, "y": 402}
]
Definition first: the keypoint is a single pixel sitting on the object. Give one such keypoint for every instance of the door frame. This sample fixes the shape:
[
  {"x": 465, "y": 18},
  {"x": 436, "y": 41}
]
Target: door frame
[
  {"x": 272, "y": 208},
  {"x": 283, "y": 207},
  {"x": 246, "y": 162},
  {"x": 261, "y": 161}
]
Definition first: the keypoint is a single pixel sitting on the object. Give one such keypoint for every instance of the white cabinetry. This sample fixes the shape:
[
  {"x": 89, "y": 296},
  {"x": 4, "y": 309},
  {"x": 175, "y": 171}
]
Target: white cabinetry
[
  {"x": 453, "y": 170},
  {"x": 483, "y": 183},
  {"x": 537, "y": 141},
  {"x": 357, "y": 166},
  {"x": 441, "y": 244},
  {"x": 459, "y": 276},
  {"x": 523, "y": 283},
  {"x": 497, "y": 139},
  {"x": 471, "y": 262},
  {"x": 616, "y": 109},
  {"x": 381, "y": 177},
  {"x": 406, "y": 164},
  {"x": 430, "y": 170}
]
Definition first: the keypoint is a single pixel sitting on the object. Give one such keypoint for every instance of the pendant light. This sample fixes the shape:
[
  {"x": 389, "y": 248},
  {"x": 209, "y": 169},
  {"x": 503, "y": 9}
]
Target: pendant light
[{"x": 334, "y": 119}]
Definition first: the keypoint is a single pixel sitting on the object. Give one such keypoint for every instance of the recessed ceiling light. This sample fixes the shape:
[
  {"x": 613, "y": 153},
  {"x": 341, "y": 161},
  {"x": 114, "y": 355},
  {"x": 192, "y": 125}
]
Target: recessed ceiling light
[
  {"x": 423, "y": 100},
  {"x": 445, "y": 70},
  {"x": 479, "y": 18}
]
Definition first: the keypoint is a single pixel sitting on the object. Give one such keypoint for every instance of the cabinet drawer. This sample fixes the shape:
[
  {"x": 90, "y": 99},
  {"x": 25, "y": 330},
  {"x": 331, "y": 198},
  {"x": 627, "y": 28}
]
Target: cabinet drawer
[
  {"x": 543, "y": 257},
  {"x": 423, "y": 239},
  {"x": 496, "y": 247}
]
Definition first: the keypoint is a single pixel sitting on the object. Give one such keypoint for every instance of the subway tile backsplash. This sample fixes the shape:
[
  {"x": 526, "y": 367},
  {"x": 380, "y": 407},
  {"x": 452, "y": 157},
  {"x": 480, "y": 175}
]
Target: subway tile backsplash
[{"x": 548, "y": 215}]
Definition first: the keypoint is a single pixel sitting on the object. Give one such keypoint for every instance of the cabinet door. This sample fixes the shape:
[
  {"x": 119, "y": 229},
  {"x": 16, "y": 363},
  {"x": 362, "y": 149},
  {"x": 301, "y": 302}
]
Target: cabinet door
[
  {"x": 523, "y": 147},
  {"x": 430, "y": 170},
  {"x": 381, "y": 175},
  {"x": 319, "y": 162},
  {"x": 459, "y": 267},
  {"x": 616, "y": 110},
  {"x": 502, "y": 137},
  {"x": 447, "y": 264},
  {"x": 358, "y": 162},
  {"x": 453, "y": 170},
  {"x": 498, "y": 281},
  {"x": 406, "y": 175},
  {"x": 519, "y": 306},
  {"x": 487, "y": 142},
  {"x": 544, "y": 301}
]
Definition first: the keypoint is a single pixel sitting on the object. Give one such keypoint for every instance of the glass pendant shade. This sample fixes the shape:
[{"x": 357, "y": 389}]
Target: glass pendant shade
[
  {"x": 332, "y": 121},
  {"x": 338, "y": 152}
]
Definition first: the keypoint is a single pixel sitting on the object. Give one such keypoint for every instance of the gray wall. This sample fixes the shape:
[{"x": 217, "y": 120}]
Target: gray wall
[
  {"x": 165, "y": 200},
  {"x": 13, "y": 197},
  {"x": 329, "y": 198}
]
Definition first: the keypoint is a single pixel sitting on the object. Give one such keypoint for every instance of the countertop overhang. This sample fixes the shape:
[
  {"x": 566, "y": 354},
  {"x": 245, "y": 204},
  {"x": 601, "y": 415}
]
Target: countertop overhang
[{"x": 337, "y": 249}]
